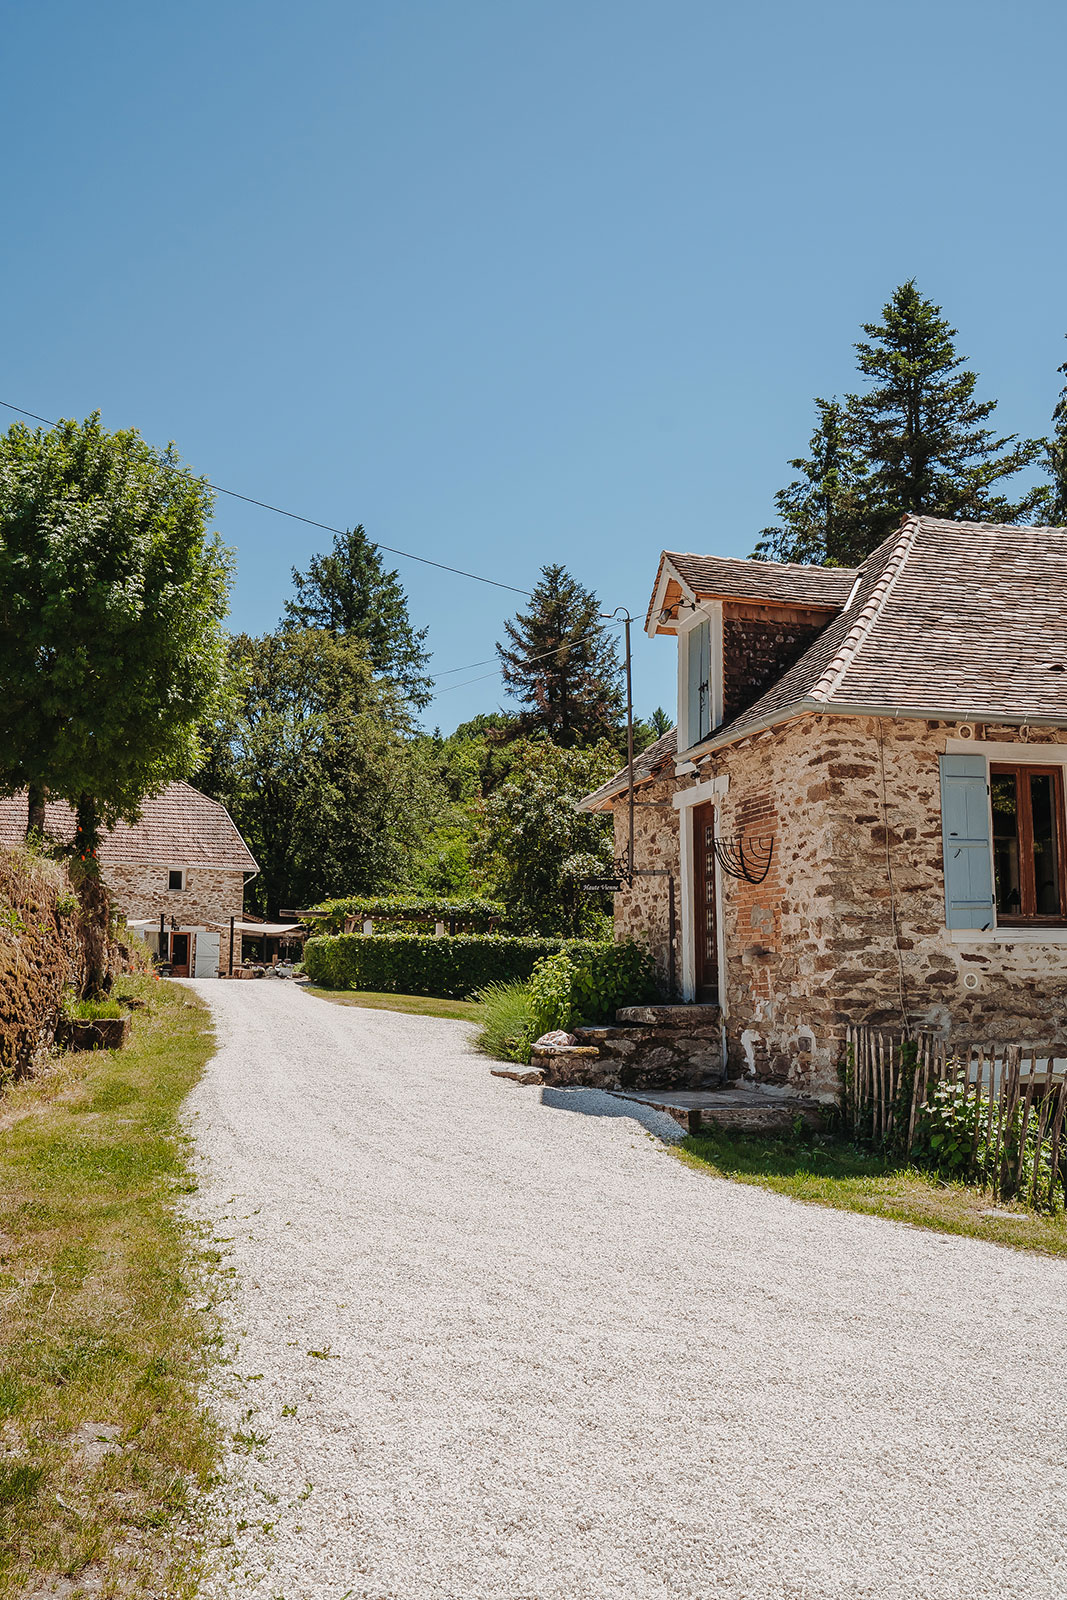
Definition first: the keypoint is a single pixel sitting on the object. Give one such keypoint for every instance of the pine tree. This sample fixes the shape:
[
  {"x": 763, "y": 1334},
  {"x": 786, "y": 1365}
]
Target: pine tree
[
  {"x": 1057, "y": 459},
  {"x": 562, "y": 664},
  {"x": 823, "y": 512},
  {"x": 923, "y": 432},
  {"x": 915, "y": 441},
  {"x": 349, "y": 593}
]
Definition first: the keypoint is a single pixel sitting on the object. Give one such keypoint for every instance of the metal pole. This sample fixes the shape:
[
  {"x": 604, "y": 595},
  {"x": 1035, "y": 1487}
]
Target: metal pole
[
  {"x": 629, "y": 748},
  {"x": 162, "y": 935},
  {"x": 232, "y": 920}
]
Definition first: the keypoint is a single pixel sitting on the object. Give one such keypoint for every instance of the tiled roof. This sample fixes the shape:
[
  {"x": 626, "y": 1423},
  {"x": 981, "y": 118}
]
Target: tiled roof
[
  {"x": 785, "y": 582},
  {"x": 964, "y": 619},
  {"x": 179, "y": 827},
  {"x": 651, "y": 759}
]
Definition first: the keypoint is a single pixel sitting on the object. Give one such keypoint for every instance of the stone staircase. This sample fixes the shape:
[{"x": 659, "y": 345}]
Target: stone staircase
[
  {"x": 668, "y": 1058},
  {"x": 678, "y": 1047}
]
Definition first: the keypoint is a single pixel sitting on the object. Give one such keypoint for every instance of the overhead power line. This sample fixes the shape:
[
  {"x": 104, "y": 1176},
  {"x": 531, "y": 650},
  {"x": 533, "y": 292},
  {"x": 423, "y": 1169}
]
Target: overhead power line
[
  {"x": 565, "y": 644},
  {"x": 295, "y": 516}
]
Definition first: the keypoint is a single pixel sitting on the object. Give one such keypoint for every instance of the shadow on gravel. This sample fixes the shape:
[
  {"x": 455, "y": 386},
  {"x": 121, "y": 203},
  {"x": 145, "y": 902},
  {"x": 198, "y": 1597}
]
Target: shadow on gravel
[{"x": 599, "y": 1103}]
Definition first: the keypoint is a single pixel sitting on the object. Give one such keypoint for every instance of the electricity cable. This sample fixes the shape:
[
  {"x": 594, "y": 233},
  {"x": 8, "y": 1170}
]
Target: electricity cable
[
  {"x": 392, "y": 550},
  {"x": 280, "y": 511}
]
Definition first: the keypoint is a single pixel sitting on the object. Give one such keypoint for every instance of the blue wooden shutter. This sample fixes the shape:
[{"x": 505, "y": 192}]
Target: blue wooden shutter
[
  {"x": 698, "y": 705},
  {"x": 965, "y": 836}
]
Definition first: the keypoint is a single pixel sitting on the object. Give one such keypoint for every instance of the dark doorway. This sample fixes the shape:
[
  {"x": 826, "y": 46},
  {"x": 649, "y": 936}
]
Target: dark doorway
[
  {"x": 179, "y": 955},
  {"x": 705, "y": 934}
]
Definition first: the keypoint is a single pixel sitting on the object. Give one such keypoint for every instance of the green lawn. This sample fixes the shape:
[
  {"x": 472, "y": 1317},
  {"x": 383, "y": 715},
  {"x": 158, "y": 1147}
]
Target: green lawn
[
  {"x": 416, "y": 1005},
  {"x": 827, "y": 1172},
  {"x": 98, "y": 1326}
]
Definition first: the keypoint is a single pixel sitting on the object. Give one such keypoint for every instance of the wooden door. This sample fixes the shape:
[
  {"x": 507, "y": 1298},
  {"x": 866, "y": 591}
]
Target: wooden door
[
  {"x": 179, "y": 955},
  {"x": 705, "y": 932}
]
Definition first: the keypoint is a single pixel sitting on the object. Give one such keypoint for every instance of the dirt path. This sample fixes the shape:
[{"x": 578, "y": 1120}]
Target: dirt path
[{"x": 555, "y": 1364}]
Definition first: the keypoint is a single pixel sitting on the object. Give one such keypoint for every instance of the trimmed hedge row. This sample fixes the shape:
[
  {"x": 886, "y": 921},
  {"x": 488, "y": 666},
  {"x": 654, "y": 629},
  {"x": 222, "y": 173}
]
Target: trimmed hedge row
[
  {"x": 414, "y": 908},
  {"x": 449, "y": 968}
]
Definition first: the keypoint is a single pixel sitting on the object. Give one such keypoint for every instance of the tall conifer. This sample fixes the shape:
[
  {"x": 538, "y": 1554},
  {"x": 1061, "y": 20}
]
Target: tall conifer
[
  {"x": 916, "y": 440},
  {"x": 823, "y": 512},
  {"x": 923, "y": 432},
  {"x": 349, "y": 592},
  {"x": 562, "y": 665}
]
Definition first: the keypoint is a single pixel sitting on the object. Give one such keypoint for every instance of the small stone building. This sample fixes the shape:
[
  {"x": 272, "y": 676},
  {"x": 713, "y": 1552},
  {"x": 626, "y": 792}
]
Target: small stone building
[
  {"x": 183, "y": 860},
  {"x": 860, "y": 816}
]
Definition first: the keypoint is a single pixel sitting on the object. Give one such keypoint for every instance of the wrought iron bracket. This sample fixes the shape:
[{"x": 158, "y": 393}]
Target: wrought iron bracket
[{"x": 749, "y": 859}]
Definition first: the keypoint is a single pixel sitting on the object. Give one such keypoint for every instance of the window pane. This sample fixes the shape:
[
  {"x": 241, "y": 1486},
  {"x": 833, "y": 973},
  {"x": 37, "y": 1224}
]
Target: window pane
[
  {"x": 1046, "y": 859},
  {"x": 1006, "y": 843}
]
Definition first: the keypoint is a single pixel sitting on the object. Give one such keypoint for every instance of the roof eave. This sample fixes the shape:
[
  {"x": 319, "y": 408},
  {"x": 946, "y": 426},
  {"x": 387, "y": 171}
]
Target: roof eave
[{"x": 932, "y": 713}]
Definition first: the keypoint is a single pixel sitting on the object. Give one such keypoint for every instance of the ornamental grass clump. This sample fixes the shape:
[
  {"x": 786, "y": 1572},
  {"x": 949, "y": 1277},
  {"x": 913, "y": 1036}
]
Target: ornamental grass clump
[{"x": 509, "y": 1021}]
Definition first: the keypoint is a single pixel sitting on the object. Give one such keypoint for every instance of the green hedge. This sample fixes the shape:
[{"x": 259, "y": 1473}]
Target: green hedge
[
  {"x": 407, "y": 908},
  {"x": 450, "y": 968}
]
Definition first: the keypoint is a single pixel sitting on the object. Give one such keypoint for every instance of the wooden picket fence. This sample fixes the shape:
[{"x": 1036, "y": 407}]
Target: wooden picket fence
[{"x": 996, "y": 1112}]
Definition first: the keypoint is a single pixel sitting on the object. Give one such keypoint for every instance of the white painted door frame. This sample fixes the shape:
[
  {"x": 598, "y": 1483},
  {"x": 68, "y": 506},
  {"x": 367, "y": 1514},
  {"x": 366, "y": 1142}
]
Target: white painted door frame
[{"x": 684, "y": 802}]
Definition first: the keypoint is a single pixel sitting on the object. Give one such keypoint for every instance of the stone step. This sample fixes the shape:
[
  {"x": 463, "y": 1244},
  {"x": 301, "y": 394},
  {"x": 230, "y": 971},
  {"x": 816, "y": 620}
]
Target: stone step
[
  {"x": 680, "y": 1016},
  {"x": 735, "y": 1109}
]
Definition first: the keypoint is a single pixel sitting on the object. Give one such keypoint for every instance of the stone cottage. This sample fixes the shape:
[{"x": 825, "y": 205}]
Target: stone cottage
[
  {"x": 860, "y": 816},
  {"x": 183, "y": 860}
]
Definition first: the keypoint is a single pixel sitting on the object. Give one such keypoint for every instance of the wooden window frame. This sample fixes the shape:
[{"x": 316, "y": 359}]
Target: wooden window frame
[
  {"x": 1028, "y": 915},
  {"x": 182, "y": 886}
]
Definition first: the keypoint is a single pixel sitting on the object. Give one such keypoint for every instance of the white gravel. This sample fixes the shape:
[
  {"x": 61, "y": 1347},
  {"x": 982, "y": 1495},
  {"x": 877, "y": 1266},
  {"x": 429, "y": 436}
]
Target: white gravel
[{"x": 559, "y": 1364}]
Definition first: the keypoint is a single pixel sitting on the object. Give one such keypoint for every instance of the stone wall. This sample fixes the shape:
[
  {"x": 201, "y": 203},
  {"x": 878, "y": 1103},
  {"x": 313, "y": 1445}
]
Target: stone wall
[
  {"x": 852, "y": 920},
  {"x": 210, "y": 895},
  {"x": 642, "y": 909},
  {"x": 760, "y": 643},
  {"x": 843, "y": 930}
]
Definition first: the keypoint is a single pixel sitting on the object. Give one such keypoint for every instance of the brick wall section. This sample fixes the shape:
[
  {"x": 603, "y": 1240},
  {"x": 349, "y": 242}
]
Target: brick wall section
[
  {"x": 813, "y": 948},
  {"x": 759, "y": 644}
]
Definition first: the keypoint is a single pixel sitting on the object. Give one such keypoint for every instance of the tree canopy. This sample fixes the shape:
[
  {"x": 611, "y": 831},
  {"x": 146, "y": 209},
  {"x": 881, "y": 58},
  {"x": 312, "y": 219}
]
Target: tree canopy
[
  {"x": 112, "y": 596},
  {"x": 562, "y": 664},
  {"x": 310, "y": 760},
  {"x": 541, "y": 846},
  {"x": 916, "y": 440},
  {"x": 349, "y": 591}
]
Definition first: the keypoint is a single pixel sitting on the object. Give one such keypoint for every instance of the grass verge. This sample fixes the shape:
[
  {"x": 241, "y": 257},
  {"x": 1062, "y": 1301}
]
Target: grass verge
[
  {"x": 415, "y": 1005},
  {"x": 827, "y": 1172},
  {"x": 104, "y": 1443}
]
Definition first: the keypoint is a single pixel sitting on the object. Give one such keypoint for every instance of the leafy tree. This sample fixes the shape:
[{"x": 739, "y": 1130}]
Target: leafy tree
[
  {"x": 916, "y": 441},
  {"x": 562, "y": 664},
  {"x": 112, "y": 594},
  {"x": 1057, "y": 454},
  {"x": 540, "y": 846},
  {"x": 923, "y": 432},
  {"x": 348, "y": 591},
  {"x": 310, "y": 762},
  {"x": 824, "y": 511}
]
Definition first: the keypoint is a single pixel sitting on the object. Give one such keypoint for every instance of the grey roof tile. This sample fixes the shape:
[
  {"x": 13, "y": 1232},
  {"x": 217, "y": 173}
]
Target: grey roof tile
[{"x": 785, "y": 582}]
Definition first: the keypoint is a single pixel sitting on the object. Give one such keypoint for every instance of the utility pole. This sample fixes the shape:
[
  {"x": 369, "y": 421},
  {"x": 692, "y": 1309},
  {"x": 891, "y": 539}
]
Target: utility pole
[{"x": 627, "y": 619}]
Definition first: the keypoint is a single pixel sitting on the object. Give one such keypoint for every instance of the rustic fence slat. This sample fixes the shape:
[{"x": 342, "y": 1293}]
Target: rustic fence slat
[
  {"x": 1024, "y": 1125},
  {"x": 1057, "y": 1126},
  {"x": 916, "y": 1077},
  {"x": 992, "y": 1104},
  {"x": 1042, "y": 1118}
]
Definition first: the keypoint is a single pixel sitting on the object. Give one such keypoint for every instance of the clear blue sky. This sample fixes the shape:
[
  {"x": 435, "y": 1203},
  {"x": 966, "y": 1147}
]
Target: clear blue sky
[{"x": 516, "y": 283}]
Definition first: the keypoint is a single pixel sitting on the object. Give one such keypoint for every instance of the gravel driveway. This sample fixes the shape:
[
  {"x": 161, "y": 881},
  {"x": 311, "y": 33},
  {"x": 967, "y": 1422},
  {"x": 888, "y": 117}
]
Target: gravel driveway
[{"x": 554, "y": 1363}]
